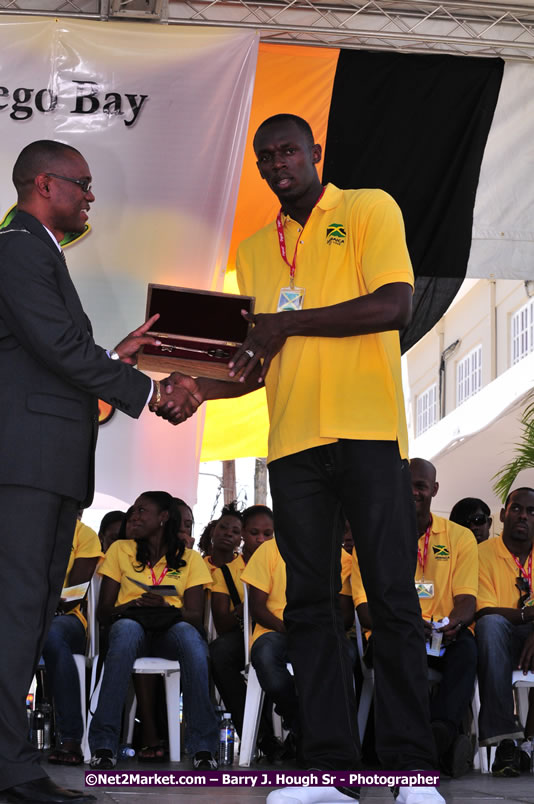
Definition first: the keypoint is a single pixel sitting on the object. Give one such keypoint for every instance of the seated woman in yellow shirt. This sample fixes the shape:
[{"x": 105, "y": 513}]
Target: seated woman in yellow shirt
[{"x": 148, "y": 623}]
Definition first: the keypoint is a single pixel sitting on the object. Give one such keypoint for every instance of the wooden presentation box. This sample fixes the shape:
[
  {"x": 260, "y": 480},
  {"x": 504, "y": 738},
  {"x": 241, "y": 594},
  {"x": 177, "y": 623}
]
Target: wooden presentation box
[{"x": 199, "y": 330}]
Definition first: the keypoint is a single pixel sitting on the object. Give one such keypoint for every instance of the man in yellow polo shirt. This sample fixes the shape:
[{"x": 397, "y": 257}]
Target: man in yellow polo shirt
[
  {"x": 446, "y": 580},
  {"x": 504, "y": 630},
  {"x": 333, "y": 285}
]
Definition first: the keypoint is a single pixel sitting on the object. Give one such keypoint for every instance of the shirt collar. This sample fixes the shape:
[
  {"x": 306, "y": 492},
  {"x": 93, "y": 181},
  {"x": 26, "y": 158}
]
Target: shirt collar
[
  {"x": 329, "y": 200},
  {"x": 53, "y": 237}
]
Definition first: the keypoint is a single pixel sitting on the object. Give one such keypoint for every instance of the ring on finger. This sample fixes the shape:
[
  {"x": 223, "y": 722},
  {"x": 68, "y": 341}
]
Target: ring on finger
[{"x": 250, "y": 353}]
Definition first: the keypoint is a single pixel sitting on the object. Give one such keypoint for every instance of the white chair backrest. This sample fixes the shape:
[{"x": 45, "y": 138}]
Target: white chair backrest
[
  {"x": 247, "y": 625},
  {"x": 92, "y": 623}
]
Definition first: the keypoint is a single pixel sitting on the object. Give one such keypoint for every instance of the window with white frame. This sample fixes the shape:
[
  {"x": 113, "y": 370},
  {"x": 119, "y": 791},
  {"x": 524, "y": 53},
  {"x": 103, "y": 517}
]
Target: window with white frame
[
  {"x": 523, "y": 331},
  {"x": 469, "y": 375},
  {"x": 427, "y": 409}
]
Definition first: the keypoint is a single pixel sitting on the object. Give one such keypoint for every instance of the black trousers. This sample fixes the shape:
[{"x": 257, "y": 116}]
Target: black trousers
[
  {"x": 312, "y": 491},
  {"x": 36, "y": 532},
  {"x": 227, "y": 654}
]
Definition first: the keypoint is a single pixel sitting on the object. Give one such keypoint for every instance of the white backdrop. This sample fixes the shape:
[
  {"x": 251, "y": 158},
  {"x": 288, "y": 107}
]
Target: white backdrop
[{"x": 165, "y": 169}]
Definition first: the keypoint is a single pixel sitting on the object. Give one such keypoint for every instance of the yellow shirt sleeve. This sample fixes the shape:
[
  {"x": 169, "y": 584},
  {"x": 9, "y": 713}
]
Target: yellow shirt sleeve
[
  {"x": 385, "y": 256},
  {"x": 111, "y": 563},
  {"x": 358, "y": 591},
  {"x": 346, "y": 569},
  {"x": 197, "y": 572},
  {"x": 465, "y": 575},
  {"x": 260, "y": 568},
  {"x": 88, "y": 543},
  {"x": 487, "y": 583}
]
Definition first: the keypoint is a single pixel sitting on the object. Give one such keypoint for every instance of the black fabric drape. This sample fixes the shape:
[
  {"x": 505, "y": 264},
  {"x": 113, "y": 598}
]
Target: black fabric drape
[{"x": 417, "y": 127}]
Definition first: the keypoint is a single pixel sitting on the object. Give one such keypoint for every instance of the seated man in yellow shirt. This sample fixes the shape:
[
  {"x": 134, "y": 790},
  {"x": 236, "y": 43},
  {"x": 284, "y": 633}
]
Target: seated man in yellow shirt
[
  {"x": 265, "y": 574},
  {"x": 504, "y": 631},
  {"x": 66, "y": 637},
  {"x": 446, "y": 581}
]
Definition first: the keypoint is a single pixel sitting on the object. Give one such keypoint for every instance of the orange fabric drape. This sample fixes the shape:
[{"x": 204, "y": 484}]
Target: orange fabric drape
[{"x": 292, "y": 79}]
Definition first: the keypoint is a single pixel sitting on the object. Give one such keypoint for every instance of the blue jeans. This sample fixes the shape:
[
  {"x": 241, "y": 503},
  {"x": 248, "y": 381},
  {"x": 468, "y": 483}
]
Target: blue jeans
[
  {"x": 66, "y": 636},
  {"x": 499, "y": 647},
  {"x": 269, "y": 658},
  {"x": 182, "y": 642}
]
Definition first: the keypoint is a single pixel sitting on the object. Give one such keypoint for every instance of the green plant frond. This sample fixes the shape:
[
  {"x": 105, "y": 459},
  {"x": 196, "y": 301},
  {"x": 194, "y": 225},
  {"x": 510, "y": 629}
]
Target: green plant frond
[{"x": 524, "y": 459}]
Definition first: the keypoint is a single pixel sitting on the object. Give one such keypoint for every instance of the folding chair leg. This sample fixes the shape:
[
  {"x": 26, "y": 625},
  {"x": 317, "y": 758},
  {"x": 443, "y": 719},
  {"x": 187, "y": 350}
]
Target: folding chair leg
[
  {"x": 251, "y": 718},
  {"x": 172, "y": 697}
]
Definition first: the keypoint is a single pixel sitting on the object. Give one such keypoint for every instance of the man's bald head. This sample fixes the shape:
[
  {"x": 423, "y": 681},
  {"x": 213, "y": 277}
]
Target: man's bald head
[
  {"x": 39, "y": 157},
  {"x": 424, "y": 488},
  {"x": 423, "y": 467}
]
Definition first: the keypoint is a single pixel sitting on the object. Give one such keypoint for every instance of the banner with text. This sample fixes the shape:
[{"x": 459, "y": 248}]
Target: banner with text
[{"x": 161, "y": 115}]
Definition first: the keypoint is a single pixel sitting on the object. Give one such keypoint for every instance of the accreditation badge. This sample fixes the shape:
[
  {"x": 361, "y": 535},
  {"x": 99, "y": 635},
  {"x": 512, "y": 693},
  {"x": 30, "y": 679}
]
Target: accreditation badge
[
  {"x": 424, "y": 589},
  {"x": 290, "y": 299}
]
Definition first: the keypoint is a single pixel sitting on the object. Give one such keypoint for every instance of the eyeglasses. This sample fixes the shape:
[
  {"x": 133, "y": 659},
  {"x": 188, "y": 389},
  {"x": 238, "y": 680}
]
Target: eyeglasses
[
  {"x": 524, "y": 590},
  {"x": 85, "y": 184},
  {"x": 478, "y": 519}
]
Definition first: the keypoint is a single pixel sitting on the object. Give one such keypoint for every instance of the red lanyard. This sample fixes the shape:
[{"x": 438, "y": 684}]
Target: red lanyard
[
  {"x": 528, "y": 574},
  {"x": 157, "y": 581},
  {"x": 282, "y": 242},
  {"x": 422, "y": 559}
]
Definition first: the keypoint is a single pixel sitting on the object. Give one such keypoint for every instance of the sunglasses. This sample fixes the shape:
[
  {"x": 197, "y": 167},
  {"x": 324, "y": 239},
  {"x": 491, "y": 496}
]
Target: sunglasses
[
  {"x": 478, "y": 519},
  {"x": 85, "y": 184},
  {"x": 524, "y": 590}
]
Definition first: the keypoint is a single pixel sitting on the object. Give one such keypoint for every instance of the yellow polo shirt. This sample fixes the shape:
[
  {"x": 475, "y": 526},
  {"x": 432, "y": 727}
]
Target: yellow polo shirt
[
  {"x": 266, "y": 570},
  {"x": 236, "y": 568},
  {"x": 85, "y": 544},
  {"x": 120, "y": 564},
  {"x": 322, "y": 389},
  {"x": 497, "y": 575},
  {"x": 451, "y": 564}
]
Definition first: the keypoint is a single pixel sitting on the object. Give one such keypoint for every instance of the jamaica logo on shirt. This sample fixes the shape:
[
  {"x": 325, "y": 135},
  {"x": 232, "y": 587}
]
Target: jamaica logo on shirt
[
  {"x": 441, "y": 553},
  {"x": 335, "y": 233},
  {"x": 173, "y": 573}
]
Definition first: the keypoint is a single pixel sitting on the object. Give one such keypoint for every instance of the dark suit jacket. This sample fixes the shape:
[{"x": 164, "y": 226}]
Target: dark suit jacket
[{"x": 51, "y": 371}]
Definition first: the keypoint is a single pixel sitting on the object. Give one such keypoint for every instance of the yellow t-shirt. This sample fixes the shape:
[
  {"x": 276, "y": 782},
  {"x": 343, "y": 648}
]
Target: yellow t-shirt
[
  {"x": 266, "y": 570},
  {"x": 346, "y": 570},
  {"x": 120, "y": 564},
  {"x": 498, "y": 573},
  {"x": 236, "y": 568},
  {"x": 85, "y": 544},
  {"x": 451, "y": 564},
  {"x": 322, "y": 389}
]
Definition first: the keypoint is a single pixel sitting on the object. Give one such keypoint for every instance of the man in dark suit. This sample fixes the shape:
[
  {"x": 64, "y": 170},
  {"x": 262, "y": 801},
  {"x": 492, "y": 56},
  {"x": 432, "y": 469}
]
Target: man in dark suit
[{"x": 51, "y": 376}]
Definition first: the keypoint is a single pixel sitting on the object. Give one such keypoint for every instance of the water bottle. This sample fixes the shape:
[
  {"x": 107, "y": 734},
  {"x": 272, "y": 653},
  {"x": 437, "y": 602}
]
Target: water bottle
[
  {"x": 46, "y": 709},
  {"x": 126, "y": 752},
  {"x": 38, "y": 729},
  {"x": 226, "y": 741}
]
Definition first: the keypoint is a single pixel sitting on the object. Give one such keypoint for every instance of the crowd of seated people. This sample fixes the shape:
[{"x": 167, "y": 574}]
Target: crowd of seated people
[{"x": 475, "y": 595}]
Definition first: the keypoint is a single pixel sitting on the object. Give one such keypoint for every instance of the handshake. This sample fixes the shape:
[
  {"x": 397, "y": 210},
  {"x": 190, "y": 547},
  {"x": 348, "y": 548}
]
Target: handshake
[{"x": 176, "y": 397}]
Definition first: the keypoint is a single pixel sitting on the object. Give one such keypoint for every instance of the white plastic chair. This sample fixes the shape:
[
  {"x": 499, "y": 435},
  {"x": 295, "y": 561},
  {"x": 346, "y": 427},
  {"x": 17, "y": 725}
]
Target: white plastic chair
[
  {"x": 485, "y": 755},
  {"x": 255, "y": 694},
  {"x": 83, "y": 661},
  {"x": 170, "y": 670}
]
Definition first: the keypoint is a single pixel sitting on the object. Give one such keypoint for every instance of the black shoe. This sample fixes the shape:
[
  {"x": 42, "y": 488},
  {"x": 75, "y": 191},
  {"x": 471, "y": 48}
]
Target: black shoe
[
  {"x": 45, "y": 791},
  {"x": 507, "y": 759},
  {"x": 272, "y": 750},
  {"x": 459, "y": 758},
  {"x": 353, "y": 792},
  {"x": 204, "y": 760},
  {"x": 103, "y": 759}
]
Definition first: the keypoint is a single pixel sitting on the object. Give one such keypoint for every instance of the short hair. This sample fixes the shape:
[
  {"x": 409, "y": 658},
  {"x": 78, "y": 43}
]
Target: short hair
[
  {"x": 231, "y": 509},
  {"x": 109, "y": 519},
  {"x": 521, "y": 488},
  {"x": 256, "y": 510},
  {"x": 463, "y": 509},
  {"x": 286, "y": 118},
  {"x": 38, "y": 157}
]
